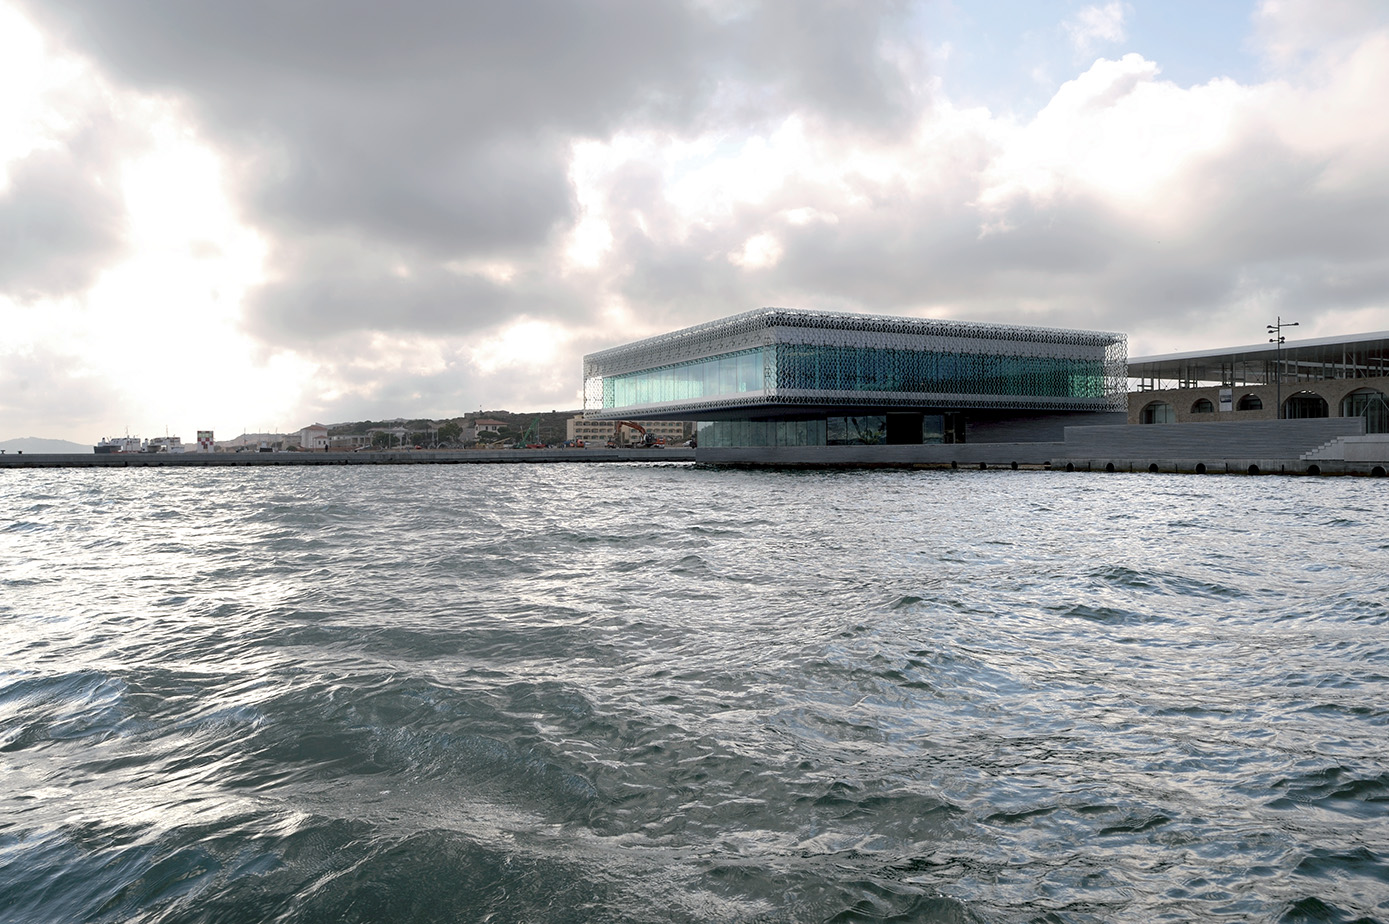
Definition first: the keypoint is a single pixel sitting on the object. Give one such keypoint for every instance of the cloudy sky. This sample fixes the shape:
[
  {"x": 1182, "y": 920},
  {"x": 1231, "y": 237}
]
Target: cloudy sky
[{"x": 260, "y": 214}]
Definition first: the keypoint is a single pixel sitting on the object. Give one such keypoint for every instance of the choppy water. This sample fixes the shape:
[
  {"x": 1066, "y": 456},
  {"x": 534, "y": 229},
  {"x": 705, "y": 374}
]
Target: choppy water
[{"x": 631, "y": 693}]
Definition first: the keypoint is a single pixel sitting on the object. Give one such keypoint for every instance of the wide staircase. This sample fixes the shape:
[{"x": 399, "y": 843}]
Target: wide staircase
[
  {"x": 1368, "y": 448},
  {"x": 1253, "y": 439}
]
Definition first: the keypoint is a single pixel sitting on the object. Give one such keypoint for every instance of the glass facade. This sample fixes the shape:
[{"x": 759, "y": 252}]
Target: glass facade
[
  {"x": 1158, "y": 412},
  {"x": 770, "y": 432},
  {"x": 716, "y": 376},
  {"x": 790, "y": 367},
  {"x": 786, "y": 374},
  {"x": 868, "y": 430},
  {"x": 861, "y": 430},
  {"x": 1369, "y": 404},
  {"x": 876, "y": 369}
]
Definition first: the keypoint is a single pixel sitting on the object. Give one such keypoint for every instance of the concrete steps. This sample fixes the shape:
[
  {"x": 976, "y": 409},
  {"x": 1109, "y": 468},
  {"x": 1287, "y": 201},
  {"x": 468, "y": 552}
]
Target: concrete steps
[
  {"x": 1330, "y": 451},
  {"x": 1259, "y": 439}
]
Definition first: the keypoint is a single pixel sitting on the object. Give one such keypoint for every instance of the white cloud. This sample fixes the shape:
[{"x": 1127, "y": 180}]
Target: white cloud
[
  {"x": 32, "y": 82},
  {"x": 1292, "y": 32},
  {"x": 759, "y": 252},
  {"x": 1120, "y": 135},
  {"x": 524, "y": 344},
  {"x": 1094, "y": 26}
]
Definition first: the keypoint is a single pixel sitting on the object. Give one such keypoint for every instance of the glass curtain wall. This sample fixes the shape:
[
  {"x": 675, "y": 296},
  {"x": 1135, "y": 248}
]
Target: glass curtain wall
[
  {"x": 869, "y": 369},
  {"x": 730, "y": 374},
  {"x": 772, "y": 432},
  {"x": 856, "y": 369},
  {"x": 863, "y": 430}
]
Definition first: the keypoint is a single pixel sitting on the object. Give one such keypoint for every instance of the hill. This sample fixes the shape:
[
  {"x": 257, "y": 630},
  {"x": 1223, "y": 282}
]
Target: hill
[
  {"x": 37, "y": 445},
  {"x": 550, "y": 425}
]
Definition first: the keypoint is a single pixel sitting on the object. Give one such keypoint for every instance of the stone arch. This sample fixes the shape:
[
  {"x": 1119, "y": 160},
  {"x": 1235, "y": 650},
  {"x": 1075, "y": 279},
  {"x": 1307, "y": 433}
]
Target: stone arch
[
  {"x": 1250, "y": 402},
  {"x": 1157, "y": 412},
  {"x": 1370, "y": 404},
  {"x": 1202, "y": 406},
  {"x": 1305, "y": 404}
]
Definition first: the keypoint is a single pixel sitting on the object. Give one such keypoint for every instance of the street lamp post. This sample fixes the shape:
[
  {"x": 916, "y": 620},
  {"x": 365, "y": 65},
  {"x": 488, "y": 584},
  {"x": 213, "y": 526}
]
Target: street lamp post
[{"x": 1277, "y": 330}]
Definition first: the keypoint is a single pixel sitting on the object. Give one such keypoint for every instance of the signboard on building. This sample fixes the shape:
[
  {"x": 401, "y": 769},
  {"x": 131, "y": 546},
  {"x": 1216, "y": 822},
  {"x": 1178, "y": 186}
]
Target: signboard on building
[{"x": 1227, "y": 399}]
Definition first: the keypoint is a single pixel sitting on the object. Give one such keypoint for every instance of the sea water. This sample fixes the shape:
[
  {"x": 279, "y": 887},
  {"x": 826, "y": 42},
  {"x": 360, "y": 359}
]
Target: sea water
[{"x": 632, "y": 693}]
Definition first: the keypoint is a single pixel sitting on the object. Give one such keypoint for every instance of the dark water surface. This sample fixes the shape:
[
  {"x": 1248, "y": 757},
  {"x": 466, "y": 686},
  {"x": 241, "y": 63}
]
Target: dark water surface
[{"x": 632, "y": 693}]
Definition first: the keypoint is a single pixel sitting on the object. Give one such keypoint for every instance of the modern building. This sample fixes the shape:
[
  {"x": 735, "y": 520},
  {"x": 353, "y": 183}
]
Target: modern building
[
  {"x": 779, "y": 377},
  {"x": 1327, "y": 377}
]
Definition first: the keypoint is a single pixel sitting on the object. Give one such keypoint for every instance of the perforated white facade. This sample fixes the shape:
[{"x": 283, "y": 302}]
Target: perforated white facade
[{"x": 777, "y": 360}]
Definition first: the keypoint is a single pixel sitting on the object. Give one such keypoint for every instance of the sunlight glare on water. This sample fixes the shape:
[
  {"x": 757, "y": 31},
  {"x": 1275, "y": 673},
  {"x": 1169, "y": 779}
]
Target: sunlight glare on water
[{"x": 669, "y": 693}]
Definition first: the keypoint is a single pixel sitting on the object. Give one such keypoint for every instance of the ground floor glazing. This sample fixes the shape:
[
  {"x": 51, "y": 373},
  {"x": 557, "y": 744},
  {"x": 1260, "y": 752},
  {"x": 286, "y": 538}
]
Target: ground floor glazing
[{"x": 849, "y": 430}]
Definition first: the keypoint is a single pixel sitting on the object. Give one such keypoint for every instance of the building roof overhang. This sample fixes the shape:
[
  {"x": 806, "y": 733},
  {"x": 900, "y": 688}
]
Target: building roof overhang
[
  {"x": 1212, "y": 365},
  {"x": 772, "y": 324}
]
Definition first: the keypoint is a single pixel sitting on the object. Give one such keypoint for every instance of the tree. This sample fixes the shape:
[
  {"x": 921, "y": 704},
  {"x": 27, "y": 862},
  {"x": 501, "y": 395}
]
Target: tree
[{"x": 450, "y": 432}]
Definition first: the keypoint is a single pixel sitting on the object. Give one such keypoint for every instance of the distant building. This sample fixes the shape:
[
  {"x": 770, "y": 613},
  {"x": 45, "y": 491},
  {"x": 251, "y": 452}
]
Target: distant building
[
  {"x": 601, "y": 431},
  {"x": 348, "y": 442},
  {"x": 486, "y": 425},
  {"x": 398, "y": 435},
  {"x": 314, "y": 436}
]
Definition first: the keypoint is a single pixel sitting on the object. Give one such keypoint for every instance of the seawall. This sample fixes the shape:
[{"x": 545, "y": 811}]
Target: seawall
[{"x": 411, "y": 457}]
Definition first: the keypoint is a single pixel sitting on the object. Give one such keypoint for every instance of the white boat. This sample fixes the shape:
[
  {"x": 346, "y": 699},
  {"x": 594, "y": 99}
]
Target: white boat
[{"x": 117, "y": 444}]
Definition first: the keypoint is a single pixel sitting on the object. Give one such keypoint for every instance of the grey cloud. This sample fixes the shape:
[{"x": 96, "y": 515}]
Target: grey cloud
[
  {"x": 497, "y": 194},
  {"x": 452, "y": 390},
  {"x": 826, "y": 59},
  {"x": 338, "y": 287},
  {"x": 363, "y": 112},
  {"x": 447, "y": 393},
  {"x": 61, "y": 223},
  {"x": 40, "y": 386},
  {"x": 441, "y": 129},
  {"x": 440, "y": 122}
]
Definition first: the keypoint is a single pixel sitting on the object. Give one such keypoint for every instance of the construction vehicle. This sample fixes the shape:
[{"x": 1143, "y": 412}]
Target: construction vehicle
[
  {"x": 646, "y": 440},
  {"x": 531, "y": 438}
]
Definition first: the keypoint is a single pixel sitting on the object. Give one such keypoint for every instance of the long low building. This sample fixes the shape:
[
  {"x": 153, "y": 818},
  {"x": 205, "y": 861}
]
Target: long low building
[
  {"x": 1325, "y": 377},
  {"x": 789, "y": 377}
]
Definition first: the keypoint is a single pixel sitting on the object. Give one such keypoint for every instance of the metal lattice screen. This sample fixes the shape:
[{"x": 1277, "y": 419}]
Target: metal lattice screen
[{"x": 822, "y": 358}]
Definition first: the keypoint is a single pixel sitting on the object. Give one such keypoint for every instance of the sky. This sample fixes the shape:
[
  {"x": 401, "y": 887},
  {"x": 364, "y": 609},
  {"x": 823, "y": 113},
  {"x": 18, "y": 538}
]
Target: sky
[{"x": 255, "y": 216}]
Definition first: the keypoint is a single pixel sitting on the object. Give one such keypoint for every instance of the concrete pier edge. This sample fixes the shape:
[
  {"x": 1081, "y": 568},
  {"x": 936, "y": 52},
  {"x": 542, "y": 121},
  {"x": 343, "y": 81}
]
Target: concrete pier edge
[{"x": 413, "y": 457}]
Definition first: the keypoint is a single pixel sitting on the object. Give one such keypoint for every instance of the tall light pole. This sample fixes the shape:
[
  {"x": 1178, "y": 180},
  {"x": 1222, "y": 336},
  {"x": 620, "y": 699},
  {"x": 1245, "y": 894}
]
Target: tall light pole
[{"x": 1277, "y": 330}]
